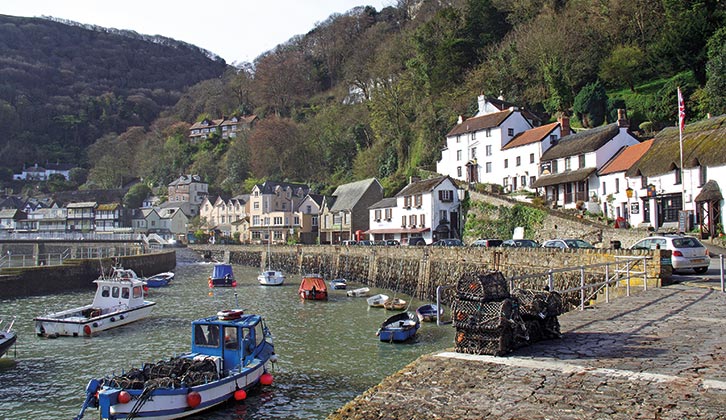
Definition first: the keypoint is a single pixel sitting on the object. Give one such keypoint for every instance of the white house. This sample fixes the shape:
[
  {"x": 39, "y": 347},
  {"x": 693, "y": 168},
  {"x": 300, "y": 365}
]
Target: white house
[
  {"x": 521, "y": 156},
  {"x": 428, "y": 208},
  {"x": 43, "y": 173},
  {"x": 666, "y": 189},
  {"x": 173, "y": 223},
  {"x": 568, "y": 169},
  {"x": 622, "y": 193},
  {"x": 473, "y": 146},
  {"x": 220, "y": 214}
]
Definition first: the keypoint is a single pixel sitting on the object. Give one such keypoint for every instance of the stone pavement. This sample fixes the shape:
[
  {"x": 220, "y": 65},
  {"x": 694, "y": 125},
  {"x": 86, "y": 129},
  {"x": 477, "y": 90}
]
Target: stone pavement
[{"x": 660, "y": 354}]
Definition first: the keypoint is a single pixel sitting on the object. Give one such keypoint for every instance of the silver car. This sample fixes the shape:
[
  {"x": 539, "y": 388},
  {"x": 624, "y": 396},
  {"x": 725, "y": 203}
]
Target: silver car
[
  {"x": 687, "y": 252},
  {"x": 567, "y": 243}
]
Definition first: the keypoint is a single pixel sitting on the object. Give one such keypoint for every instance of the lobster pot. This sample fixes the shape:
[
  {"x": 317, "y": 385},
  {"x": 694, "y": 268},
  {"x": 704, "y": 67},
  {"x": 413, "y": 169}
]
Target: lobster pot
[
  {"x": 490, "y": 286},
  {"x": 496, "y": 343},
  {"x": 538, "y": 304},
  {"x": 551, "y": 327},
  {"x": 476, "y": 316}
]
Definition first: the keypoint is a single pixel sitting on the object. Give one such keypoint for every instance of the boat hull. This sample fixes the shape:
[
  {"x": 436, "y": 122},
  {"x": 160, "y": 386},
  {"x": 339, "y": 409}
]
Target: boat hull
[
  {"x": 159, "y": 280},
  {"x": 360, "y": 292},
  {"x": 377, "y": 301},
  {"x": 7, "y": 339},
  {"x": 399, "y": 328},
  {"x": 271, "y": 278},
  {"x": 73, "y": 323}
]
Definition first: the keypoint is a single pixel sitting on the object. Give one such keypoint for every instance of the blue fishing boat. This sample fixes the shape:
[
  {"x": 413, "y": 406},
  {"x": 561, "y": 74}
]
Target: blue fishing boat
[
  {"x": 159, "y": 280},
  {"x": 222, "y": 276},
  {"x": 230, "y": 353},
  {"x": 398, "y": 328},
  {"x": 429, "y": 312}
]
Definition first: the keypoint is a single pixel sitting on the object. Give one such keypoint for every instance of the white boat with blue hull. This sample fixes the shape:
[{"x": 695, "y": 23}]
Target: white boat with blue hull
[
  {"x": 231, "y": 353},
  {"x": 119, "y": 300}
]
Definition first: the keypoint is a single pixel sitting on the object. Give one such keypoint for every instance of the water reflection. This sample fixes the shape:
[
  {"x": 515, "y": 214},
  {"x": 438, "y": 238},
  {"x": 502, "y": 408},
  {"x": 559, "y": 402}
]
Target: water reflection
[{"x": 328, "y": 351}]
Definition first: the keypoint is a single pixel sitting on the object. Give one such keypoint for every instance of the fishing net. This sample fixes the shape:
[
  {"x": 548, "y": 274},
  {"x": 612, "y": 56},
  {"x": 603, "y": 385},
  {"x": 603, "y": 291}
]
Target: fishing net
[{"x": 484, "y": 316}]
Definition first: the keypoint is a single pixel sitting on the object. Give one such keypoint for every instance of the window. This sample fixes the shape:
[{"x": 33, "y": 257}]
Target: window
[
  {"x": 256, "y": 205},
  {"x": 604, "y": 189},
  {"x": 255, "y": 220},
  {"x": 314, "y": 220},
  {"x": 568, "y": 163},
  {"x": 531, "y": 158},
  {"x": 418, "y": 200},
  {"x": 458, "y": 155},
  {"x": 553, "y": 138},
  {"x": 389, "y": 214},
  {"x": 617, "y": 185},
  {"x": 643, "y": 182},
  {"x": 678, "y": 176},
  {"x": 702, "y": 177},
  {"x": 489, "y": 150},
  {"x": 473, "y": 135},
  {"x": 443, "y": 215},
  {"x": 510, "y": 132},
  {"x": 296, "y": 220},
  {"x": 581, "y": 161},
  {"x": 137, "y": 292},
  {"x": 446, "y": 195},
  {"x": 125, "y": 292},
  {"x": 458, "y": 138},
  {"x": 506, "y": 163},
  {"x": 505, "y": 181},
  {"x": 403, "y": 221},
  {"x": 489, "y": 132},
  {"x": 377, "y": 215},
  {"x": 523, "y": 180},
  {"x": 422, "y": 220},
  {"x": 114, "y": 292},
  {"x": 458, "y": 171},
  {"x": 407, "y": 201},
  {"x": 277, "y": 221},
  {"x": 532, "y": 179},
  {"x": 519, "y": 160},
  {"x": 473, "y": 152},
  {"x": 412, "y": 220},
  {"x": 308, "y": 209},
  {"x": 488, "y": 167}
]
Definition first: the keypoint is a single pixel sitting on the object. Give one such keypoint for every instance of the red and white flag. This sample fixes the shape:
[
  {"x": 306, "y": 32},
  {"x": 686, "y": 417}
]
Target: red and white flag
[{"x": 681, "y": 110}]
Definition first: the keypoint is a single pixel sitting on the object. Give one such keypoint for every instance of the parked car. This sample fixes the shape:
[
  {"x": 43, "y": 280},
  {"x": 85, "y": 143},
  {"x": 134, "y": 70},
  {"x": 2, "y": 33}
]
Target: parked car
[
  {"x": 365, "y": 242},
  {"x": 448, "y": 242},
  {"x": 487, "y": 242},
  {"x": 687, "y": 251},
  {"x": 391, "y": 242},
  {"x": 416, "y": 241},
  {"x": 520, "y": 243},
  {"x": 566, "y": 243},
  {"x": 350, "y": 242}
]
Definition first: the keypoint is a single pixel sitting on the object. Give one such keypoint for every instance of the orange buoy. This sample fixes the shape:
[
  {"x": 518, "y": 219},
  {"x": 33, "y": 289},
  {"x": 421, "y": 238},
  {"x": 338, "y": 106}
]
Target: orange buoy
[
  {"x": 266, "y": 379},
  {"x": 240, "y": 394},
  {"x": 124, "y": 397},
  {"x": 194, "y": 399}
]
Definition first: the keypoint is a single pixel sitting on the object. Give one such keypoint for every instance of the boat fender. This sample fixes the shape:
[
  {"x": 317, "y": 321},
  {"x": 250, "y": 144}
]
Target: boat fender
[
  {"x": 113, "y": 319},
  {"x": 121, "y": 317},
  {"x": 95, "y": 325},
  {"x": 240, "y": 394},
  {"x": 266, "y": 379},
  {"x": 194, "y": 399},
  {"x": 87, "y": 329},
  {"x": 124, "y": 397}
]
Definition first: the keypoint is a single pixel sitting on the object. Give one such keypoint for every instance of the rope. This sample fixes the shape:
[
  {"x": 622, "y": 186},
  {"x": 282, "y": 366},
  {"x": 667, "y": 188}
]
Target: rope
[{"x": 145, "y": 395}]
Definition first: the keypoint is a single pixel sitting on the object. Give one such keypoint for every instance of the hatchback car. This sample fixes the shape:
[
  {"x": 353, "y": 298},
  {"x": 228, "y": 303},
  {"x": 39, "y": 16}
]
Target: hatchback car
[
  {"x": 520, "y": 243},
  {"x": 416, "y": 240},
  {"x": 487, "y": 242},
  {"x": 686, "y": 251},
  {"x": 566, "y": 243},
  {"x": 448, "y": 242}
]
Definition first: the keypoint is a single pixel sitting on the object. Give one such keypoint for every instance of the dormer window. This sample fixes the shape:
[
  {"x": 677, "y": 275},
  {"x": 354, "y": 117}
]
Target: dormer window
[{"x": 510, "y": 132}]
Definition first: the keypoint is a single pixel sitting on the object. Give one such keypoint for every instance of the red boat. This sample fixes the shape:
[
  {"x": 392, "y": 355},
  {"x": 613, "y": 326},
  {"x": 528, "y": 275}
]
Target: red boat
[{"x": 313, "y": 287}]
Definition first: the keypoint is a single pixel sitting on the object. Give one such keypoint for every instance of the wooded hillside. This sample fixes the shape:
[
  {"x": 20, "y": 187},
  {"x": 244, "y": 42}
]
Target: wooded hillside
[{"x": 373, "y": 93}]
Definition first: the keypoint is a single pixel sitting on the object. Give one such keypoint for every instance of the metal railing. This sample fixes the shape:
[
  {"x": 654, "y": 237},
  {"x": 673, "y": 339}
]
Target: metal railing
[{"x": 56, "y": 258}]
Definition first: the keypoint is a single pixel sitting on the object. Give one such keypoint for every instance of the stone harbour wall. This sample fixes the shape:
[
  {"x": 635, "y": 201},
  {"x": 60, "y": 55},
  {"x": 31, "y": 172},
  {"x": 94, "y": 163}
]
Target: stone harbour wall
[{"x": 418, "y": 271}]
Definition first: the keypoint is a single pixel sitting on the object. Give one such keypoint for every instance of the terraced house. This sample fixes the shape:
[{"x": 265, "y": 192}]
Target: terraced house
[
  {"x": 272, "y": 211},
  {"x": 224, "y": 127}
]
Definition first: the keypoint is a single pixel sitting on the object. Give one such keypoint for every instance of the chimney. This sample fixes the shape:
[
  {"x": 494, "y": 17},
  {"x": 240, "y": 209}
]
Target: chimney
[
  {"x": 460, "y": 120},
  {"x": 413, "y": 178},
  {"x": 482, "y": 101},
  {"x": 622, "y": 119},
  {"x": 564, "y": 121}
]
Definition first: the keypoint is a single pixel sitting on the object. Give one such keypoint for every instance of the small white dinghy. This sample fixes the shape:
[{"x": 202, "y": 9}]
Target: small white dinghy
[
  {"x": 377, "y": 301},
  {"x": 119, "y": 300},
  {"x": 359, "y": 292}
]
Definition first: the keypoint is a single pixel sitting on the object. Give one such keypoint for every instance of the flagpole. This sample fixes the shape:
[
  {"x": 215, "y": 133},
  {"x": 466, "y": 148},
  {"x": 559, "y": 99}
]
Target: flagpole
[{"x": 681, "y": 121}]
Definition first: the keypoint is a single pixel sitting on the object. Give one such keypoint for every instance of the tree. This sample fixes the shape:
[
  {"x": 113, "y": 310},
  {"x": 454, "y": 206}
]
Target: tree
[
  {"x": 716, "y": 73},
  {"x": 623, "y": 66},
  {"x": 590, "y": 105},
  {"x": 136, "y": 195},
  {"x": 276, "y": 150}
]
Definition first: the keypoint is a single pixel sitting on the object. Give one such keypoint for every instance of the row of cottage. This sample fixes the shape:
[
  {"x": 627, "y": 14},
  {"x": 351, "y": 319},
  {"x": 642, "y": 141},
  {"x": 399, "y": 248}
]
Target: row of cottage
[
  {"x": 603, "y": 170},
  {"x": 275, "y": 211}
]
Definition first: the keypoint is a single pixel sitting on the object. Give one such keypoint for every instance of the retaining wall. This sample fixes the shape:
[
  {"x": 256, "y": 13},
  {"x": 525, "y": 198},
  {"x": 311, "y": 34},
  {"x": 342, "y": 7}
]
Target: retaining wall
[
  {"x": 418, "y": 271},
  {"x": 76, "y": 273}
]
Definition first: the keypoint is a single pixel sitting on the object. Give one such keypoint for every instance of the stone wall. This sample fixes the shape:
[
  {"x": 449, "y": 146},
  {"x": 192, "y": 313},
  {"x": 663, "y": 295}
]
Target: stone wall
[
  {"x": 418, "y": 271},
  {"x": 76, "y": 274}
]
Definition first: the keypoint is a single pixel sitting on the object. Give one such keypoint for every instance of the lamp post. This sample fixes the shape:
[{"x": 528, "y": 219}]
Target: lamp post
[{"x": 629, "y": 194}]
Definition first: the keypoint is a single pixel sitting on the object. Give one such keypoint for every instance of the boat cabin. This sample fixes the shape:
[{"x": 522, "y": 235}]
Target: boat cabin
[
  {"x": 234, "y": 337},
  {"x": 222, "y": 276},
  {"x": 115, "y": 292}
]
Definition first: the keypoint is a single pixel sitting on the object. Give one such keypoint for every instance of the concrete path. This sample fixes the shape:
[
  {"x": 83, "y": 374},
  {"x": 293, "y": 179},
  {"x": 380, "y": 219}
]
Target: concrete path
[{"x": 660, "y": 354}]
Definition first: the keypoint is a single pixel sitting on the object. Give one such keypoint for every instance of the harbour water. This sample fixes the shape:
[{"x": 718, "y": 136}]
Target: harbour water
[{"x": 328, "y": 352}]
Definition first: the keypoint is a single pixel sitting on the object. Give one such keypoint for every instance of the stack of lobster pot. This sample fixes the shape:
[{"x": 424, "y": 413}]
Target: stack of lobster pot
[
  {"x": 538, "y": 311},
  {"x": 484, "y": 314}
]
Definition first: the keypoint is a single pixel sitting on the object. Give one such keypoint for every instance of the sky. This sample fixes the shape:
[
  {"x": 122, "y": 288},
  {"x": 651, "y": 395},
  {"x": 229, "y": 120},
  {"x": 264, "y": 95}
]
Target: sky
[{"x": 236, "y": 30}]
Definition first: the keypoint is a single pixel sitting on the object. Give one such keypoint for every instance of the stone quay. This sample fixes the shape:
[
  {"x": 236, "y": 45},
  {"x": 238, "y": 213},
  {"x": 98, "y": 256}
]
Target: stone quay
[{"x": 659, "y": 354}]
